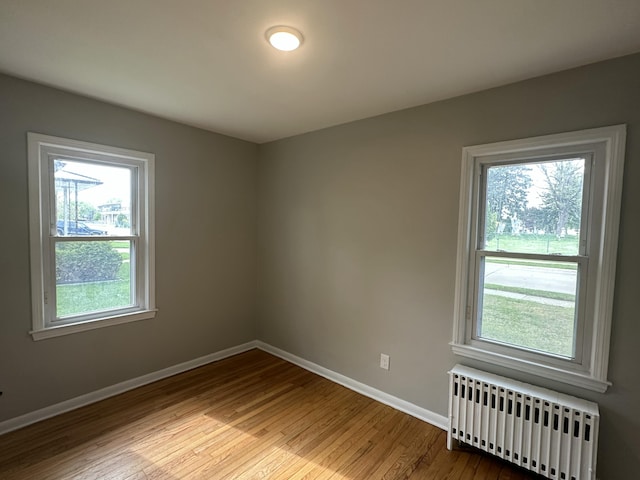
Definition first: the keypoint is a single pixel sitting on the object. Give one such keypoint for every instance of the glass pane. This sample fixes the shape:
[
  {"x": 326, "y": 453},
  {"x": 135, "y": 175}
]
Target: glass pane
[
  {"x": 529, "y": 304},
  {"x": 93, "y": 276},
  {"x": 534, "y": 207},
  {"x": 91, "y": 198}
]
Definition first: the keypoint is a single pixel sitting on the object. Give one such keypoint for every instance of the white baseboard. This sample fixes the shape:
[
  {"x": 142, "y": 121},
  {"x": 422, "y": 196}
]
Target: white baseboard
[
  {"x": 415, "y": 411},
  {"x": 103, "y": 393},
  {"x": 92, "y": 397}
]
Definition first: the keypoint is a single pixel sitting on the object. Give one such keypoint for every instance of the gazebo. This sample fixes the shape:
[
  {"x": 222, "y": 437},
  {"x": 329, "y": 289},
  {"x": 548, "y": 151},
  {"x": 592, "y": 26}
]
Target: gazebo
[{"x": 70, "y": 183}]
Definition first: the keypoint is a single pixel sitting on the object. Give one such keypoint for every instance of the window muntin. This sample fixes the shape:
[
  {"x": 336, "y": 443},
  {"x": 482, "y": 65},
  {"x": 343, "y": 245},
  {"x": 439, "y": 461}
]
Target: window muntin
[
  {"x": 92, "y": 243},
  {"x": 572, "y": 346}
]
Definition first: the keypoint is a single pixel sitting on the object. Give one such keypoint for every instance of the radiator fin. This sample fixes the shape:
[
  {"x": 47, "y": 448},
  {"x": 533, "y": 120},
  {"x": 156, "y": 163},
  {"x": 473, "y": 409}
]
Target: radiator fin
[{"x": 552, "y": 434}]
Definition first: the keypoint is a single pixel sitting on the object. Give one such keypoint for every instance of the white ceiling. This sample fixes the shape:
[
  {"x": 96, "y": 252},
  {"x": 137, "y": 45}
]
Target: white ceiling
[{"x": 207, "y": 63}]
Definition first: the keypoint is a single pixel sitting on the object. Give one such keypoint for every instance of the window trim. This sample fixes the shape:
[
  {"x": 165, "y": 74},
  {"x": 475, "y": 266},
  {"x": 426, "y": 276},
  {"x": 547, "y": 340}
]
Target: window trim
[
  {"x": 39, "y": 147},
  {"x": 609, "y": 150}
]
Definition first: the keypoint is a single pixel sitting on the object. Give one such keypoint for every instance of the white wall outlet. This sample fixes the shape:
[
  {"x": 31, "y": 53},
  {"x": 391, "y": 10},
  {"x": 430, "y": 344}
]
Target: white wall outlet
[{"x": 384, "y": 361}]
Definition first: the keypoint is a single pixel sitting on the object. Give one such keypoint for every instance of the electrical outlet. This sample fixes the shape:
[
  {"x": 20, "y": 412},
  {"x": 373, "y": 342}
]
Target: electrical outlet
[{"x": 384, "y": 361}]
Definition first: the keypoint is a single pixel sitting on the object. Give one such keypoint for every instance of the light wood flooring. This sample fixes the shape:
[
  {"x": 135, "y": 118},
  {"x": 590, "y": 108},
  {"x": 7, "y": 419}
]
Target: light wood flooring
[{"x": 249, "y": 416}]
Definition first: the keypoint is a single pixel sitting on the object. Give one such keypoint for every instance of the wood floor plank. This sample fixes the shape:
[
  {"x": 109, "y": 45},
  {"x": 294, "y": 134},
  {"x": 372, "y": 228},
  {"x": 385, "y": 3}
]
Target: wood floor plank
[
  {"x": 324, "y": 417},
  {"x": 250, "y": 416}
]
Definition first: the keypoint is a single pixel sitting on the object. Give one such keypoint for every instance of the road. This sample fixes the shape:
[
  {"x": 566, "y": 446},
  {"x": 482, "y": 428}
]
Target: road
[{"x": 536, "y": 278}]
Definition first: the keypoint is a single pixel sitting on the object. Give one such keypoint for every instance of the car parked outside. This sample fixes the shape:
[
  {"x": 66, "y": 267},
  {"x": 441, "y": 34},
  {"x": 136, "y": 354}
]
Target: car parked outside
[{"x": 77, "y": 228}]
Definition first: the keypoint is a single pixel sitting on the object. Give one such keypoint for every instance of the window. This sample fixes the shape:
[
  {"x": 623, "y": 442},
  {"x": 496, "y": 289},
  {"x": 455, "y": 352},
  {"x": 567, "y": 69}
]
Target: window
[
  {"x": 537, "y": 246},
  {"x": 91, "y": 233}
]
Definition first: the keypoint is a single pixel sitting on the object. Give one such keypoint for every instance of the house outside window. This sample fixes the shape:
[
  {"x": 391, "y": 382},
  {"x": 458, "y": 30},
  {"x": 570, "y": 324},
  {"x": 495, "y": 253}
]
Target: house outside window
[
  {"x": 536, "y": 254},
  {"x": 89, "y": 269}
]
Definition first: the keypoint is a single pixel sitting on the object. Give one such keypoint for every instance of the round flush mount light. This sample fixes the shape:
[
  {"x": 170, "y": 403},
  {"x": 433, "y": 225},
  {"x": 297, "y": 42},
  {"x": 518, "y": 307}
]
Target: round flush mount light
[{"x": 284, "y": 38}]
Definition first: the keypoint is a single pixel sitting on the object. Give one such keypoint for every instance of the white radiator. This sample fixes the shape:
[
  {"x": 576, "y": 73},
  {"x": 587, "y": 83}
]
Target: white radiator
[{"x": 549, "y": 433}]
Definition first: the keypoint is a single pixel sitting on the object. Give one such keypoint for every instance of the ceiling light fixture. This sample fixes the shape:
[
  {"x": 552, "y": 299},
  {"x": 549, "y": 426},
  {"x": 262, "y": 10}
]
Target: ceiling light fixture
[{"x": 284, "y": 38}]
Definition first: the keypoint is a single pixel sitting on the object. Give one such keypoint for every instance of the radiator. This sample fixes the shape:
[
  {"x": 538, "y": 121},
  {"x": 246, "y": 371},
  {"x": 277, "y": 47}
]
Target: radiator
[{"x": 549, "y": 433}]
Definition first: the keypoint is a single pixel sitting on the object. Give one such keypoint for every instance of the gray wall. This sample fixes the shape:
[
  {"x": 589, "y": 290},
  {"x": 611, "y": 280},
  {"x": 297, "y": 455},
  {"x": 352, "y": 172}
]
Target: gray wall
[
  {"x": 205, "y": 250},
  {"x": 357, "y": 238},
  {"x": 354, "y": 246}
]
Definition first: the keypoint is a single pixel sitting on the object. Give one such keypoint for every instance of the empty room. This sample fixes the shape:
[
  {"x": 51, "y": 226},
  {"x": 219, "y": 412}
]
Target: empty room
[{"x": 319, "y": 239}]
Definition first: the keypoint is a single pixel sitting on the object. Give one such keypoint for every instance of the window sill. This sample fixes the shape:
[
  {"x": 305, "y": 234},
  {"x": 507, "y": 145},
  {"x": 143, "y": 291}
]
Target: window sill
[
  {"x": 60, "y": 330},
  {"x": 578, "y": 379}
]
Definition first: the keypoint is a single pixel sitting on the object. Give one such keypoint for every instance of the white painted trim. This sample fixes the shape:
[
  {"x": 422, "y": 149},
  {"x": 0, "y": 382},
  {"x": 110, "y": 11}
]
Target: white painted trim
[
  {"x": 428, "y": 416},
  {"x": 92, "y": 324},
  {"x": 104, "y": 393},
  {"x": 40, "y": 197},
  {"x": 615, "y": 152},
  {"x": 464, "y": 245},
  {"x": 544, "y": 142},
  {"x": 578, "y": 379},
  {"x": 591, "y": 371},
  {"x": 35, "y": 231}
]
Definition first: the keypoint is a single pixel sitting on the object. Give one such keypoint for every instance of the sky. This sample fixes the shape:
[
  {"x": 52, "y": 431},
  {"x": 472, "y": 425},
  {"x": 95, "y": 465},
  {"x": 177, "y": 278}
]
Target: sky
[{"x": 116, "y": 182}]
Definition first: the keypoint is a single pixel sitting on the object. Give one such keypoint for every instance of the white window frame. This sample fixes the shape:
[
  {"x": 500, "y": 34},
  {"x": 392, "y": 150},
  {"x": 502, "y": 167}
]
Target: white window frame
[
  {"x": 42, "y": 223},
  {"x": 606, "y": 147}
]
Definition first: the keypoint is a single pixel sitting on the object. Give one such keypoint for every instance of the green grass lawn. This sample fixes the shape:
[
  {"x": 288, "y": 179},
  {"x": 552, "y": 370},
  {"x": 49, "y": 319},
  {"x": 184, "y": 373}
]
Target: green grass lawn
[
  {"x": 80, "y": 298},
  {"x": 546, "y": 328},
  {"x": 529, "y": 243}
]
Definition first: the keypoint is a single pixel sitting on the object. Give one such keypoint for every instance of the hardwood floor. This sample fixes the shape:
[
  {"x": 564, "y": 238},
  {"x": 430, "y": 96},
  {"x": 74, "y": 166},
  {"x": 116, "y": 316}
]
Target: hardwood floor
[{"x": 249, "y": 416}]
